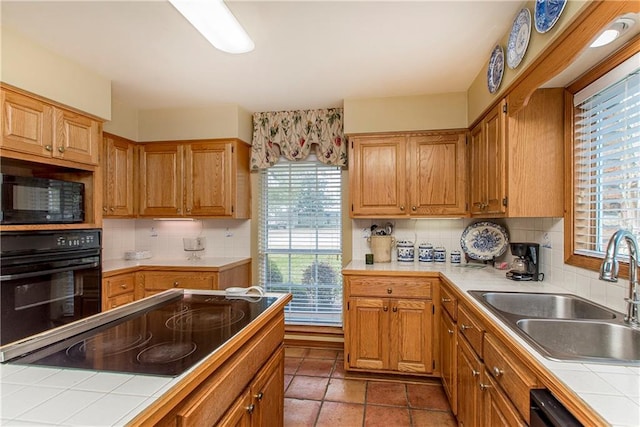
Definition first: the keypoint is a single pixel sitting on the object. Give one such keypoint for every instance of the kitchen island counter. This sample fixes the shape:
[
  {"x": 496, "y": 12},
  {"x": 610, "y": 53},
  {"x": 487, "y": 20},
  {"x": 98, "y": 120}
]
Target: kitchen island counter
[
  {"x": 610, "y": 392},
  {"x": 56, "y": 396}
]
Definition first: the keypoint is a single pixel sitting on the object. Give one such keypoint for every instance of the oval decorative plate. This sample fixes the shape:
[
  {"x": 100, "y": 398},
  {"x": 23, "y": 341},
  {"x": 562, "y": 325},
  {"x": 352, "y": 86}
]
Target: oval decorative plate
[
  {"x": 546, "y": 14},
  {"x": 519, "y": 38},
  {"x": 484, "y": 240},
  {"x": 495, "y": 69}
]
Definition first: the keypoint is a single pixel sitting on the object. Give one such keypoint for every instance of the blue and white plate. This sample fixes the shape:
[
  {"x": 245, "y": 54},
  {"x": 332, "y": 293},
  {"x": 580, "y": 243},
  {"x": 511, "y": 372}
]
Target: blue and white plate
[
  {"x": 484, "y": 240},
  {"x": 519, "y": 38},
  {"x": 495, "y": 69},
  {"x": 547, "y": 13}
]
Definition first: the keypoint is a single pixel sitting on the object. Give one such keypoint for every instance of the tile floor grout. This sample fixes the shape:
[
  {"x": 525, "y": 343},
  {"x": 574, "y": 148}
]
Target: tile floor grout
[{"x": 334, "y": 404}]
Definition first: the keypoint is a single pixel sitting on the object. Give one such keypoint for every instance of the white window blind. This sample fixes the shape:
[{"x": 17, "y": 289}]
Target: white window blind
[
  {"x": 607, "y": 159},
  {"x": 300, "y": 239}
]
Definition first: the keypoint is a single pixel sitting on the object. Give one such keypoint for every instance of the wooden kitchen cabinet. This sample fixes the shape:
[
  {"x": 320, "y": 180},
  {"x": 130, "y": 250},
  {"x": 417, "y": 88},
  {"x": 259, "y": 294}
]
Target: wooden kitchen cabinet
[
  {"x": 195, "y": 179},
  {"x": 118, "y": 177},
  {"x": 408, "y": 174},
  {"x": 34, "y": 127},
  {"x": 517, "y": 161},
  {"x": 389, "y": 324},
  {"x": 117, "y": 290},
  {"x": 158, "y": 281},
  {"x": 469, "y": 381},
  {"x": 448, "y": 359}
]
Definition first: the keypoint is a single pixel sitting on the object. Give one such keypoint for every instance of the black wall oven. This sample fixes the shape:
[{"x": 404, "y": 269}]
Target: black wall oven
[{"x": 47, "y": 279}]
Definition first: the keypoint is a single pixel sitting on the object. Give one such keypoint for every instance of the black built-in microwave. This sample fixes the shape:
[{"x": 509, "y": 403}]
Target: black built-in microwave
[{"x": 31, "y": 200}]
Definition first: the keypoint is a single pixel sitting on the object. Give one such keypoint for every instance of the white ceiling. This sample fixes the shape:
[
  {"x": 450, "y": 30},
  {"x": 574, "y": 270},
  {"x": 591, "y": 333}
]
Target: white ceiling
[{"x": 308, "y": 54}]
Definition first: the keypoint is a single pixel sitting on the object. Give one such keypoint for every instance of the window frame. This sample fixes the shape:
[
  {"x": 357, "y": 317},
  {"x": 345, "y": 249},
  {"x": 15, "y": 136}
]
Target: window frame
[{"x": 617, "y": 58}]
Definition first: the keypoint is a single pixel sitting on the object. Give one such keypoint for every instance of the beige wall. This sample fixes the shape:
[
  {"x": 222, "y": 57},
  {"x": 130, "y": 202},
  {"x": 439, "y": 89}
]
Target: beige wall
[
  {"x": 478, "y": 96},
  {"x": 226, "y": 121},
  {"x": 406, "y": 113},
  {"x": 35, "y": 69},
  {"x": 124, "y": 121}
]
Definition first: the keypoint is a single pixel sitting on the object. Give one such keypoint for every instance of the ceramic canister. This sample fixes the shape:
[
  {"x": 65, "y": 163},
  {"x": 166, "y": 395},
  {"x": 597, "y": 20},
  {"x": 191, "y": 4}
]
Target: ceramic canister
[
  {"x": 455, "y": 257},
  {"x": 405, "y": 251},
  {"x": 440, "y": 254},
  {"x": 425, "y": 252}
]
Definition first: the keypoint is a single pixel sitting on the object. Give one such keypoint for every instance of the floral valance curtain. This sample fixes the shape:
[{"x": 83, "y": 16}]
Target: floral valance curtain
[{"x": 293, "y": 134}]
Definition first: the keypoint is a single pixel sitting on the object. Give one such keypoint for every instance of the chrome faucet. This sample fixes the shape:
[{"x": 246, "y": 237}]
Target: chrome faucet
[{"x": 609, "y": 272}]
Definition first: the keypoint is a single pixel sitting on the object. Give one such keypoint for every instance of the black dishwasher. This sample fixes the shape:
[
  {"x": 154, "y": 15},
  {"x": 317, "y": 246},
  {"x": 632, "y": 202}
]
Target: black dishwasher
[{"x": 546, "y": 411}]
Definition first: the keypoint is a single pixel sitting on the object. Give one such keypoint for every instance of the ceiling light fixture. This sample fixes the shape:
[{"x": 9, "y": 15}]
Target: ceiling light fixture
[
  {"x": 216, "y": 23},
  {"x": 614, "y": 31}
]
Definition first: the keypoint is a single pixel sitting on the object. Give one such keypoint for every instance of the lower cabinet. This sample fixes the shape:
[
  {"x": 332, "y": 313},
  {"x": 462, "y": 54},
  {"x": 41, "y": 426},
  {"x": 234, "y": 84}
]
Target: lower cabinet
[
  {"x": 448, "y": 358},
  {"x": 469, "y": 382},
  {"x": 158, "y": 281},
  {"x": 389, "y": 324},
  {"x": 117, "y": 290}
]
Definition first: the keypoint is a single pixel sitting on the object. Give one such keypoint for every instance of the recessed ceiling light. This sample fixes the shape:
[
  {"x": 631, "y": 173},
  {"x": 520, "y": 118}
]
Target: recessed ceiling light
[
  {"x": 216, "y": 23},
  {"x": 614, "y": 31}
]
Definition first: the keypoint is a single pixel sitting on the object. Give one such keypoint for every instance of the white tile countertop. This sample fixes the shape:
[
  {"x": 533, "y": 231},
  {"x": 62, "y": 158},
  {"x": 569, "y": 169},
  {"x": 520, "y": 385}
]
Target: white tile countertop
[
  {"x": 207, "y": 262},
  {"x": 613, "y": 391}
]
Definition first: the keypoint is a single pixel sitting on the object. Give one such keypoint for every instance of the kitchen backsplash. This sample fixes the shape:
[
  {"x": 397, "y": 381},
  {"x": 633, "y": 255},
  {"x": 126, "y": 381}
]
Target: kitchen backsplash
[
  {"x": 224, "y": 238},
  {"x": 548, "y": 232}
]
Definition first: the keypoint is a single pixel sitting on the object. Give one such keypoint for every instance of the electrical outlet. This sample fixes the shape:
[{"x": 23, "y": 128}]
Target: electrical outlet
[
  {"x": 228, "y": 233},
  {"x": 154, "y": 232}
]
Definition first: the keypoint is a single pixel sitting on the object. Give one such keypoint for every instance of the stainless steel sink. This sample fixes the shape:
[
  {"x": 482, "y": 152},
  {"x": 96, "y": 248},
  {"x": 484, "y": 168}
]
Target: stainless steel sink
[
  {"x": 589, "y": 341},
  {"x": 548, "y": 306},
  {"x": 566, "y": 327}
]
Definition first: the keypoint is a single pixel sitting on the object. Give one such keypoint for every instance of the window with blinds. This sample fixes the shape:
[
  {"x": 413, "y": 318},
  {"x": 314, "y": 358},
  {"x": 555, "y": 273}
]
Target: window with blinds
[
  {"x": 300, "y": 246},
  {"x": 607, "y": 158}
]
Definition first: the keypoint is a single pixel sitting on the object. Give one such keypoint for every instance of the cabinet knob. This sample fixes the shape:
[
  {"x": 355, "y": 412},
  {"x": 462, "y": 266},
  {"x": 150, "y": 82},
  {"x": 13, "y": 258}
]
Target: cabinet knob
[
  {"x": 250, "y": 408},
  {"x": 497, "y": 371},
  {"x": 483, "y": 387},
  {"x": 48, "y": 148},
  {"x": 389, "y": 290},
  {"x": 188, "y": 209},
  {"x": 61, "y": 149},
  {"x": 176, "y": 284},
  {"x": 402, "y": 208},
  {"x": 385, "y": 309},
  {"x": 178, "y": 210},
  {"x": 463, "y": 327},
  {"x": 450, "y": 331},
  {"x": 445, "y": 299},
  {"x": 123, "y": 286},
  {"x": 475, "y": 373},
  {"x": 395, "y": 309},
  {"x": 413, "y": 208},
  {"x": 259, "y": 396},
  {"x": 112, "y": 209},
  {"x": 104, "y": 209}
]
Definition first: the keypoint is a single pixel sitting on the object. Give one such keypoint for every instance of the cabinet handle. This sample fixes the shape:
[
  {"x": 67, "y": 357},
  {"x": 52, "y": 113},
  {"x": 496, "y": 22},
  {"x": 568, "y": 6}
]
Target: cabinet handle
[
  {"x": 178, "y": 210},
  {"x": 385, "y": 309},
  {"x": 474, "y": 373},
  {"x": 389, "y": 290},
  {"x": 61, "y": 149},
  {"x": 395, "y": 309},
  {"x": 48, "y": 148},
  {"x": 104, "y": 209},
  {"x": 250, "y": 408},
  {"x": 188, "y": 209},
  {"x": 123, "y": 286},
  {"x": 259, "y": 396},
  {"x": 402, "y": 208},
  {"x": 176, "y": 284},
  {"x": 497, "y": 371},
  {"x": 413, "y": 208},
  {"x": 450, "y": 331},
  {"x": 445, "y": 299},
  {"x": 463, "y": 327},
  {"x": 483, "y": 387},
  {"x": 112, "y": 209}
]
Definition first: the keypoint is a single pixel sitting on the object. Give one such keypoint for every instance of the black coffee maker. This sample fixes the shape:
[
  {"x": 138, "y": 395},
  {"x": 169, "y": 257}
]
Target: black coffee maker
[{"x": 526, "y": 264}]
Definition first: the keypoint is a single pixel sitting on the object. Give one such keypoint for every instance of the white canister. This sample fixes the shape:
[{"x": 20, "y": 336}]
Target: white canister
[
  {"x": 405, "y": 251},
  {"x": 455, "y": 257},
  {"x": 425, "y": 252},
  {"x": 440, "y": 254}
]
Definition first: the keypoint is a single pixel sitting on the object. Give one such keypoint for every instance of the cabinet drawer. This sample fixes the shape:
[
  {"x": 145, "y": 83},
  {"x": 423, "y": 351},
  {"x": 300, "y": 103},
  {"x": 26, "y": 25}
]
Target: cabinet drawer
[
  {"x": 449, "y": 302},
  {"x": 471, "y": 328},
  {"x": 166, "y": 280},
  {"x": 119, "y": 285},
  {"x": 508, "y": 371},
  {"x": 401, "y": 287},
  {"x": 119, "y": 300}
]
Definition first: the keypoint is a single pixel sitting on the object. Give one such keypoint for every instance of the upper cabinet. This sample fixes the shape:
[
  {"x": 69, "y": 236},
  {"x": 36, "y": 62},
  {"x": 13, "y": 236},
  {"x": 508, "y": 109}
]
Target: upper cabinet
[
  {"x": 118, "y": 177},
  {"x": 195, "y": 179},
  {"x": 33, "y": 127},
  {"x": 408, "y": 174},
  {"x": 516, "y": 162}
]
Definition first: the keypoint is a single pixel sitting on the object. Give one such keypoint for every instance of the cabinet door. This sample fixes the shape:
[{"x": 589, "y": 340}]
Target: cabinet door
[
  {"x": 157, "y": 281},
  {"x": 117, "y": 290},
  {"x": 239, "y": 415},
  {"x": 368, "y": 333},
  {"x": 77, "y": 138},
  {"x": 495, "y": 166},
  {"x": 438, "y": 174},
  {"x": 377, "y": 176},
  {"x": 161, "y": 180},
  {"x": 267, "y": 391},
  {"x": 411, "y": 336},
  {"x": 118, "y": 177},
  {"x": 209, "y": 179},
  {"x": 477, "y": 160},
  {"x": 497, "y": 410},
  {"x": 448, "y": 366},
  {"x": 27, "y": 125},
  {"x": 470, "y": 370}
]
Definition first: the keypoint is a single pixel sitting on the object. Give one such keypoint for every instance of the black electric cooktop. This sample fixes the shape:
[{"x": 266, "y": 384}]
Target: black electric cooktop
[{"x": 165, "y": 340}]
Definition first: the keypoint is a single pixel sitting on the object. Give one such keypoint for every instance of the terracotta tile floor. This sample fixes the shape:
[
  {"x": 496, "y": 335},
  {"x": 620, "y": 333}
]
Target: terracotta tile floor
[{"x": 318, "y": 394}]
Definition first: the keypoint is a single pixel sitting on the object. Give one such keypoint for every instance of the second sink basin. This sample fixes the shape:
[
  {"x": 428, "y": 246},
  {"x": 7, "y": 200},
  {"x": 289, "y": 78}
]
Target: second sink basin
[
  {"x": 547, "y": 306},
  {"x": 586, "y": 341}
]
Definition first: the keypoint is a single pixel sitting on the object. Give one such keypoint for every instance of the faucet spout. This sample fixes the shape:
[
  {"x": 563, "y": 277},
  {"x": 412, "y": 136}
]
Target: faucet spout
[{"x": 609, "y": 272}]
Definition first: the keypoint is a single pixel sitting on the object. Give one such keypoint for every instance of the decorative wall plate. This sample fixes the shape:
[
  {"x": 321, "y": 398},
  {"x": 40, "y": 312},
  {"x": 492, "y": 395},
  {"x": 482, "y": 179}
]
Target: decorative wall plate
[
  {"x": 519, "y": 38},
  {"x": 546, "y": 14},
  {"x": 495, "y": 69},
  {"x": 484, "y": 240}
]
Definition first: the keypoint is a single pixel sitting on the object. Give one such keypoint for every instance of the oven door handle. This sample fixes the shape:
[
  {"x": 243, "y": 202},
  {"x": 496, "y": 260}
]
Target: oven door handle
[{"x": 45, "y": 272}]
